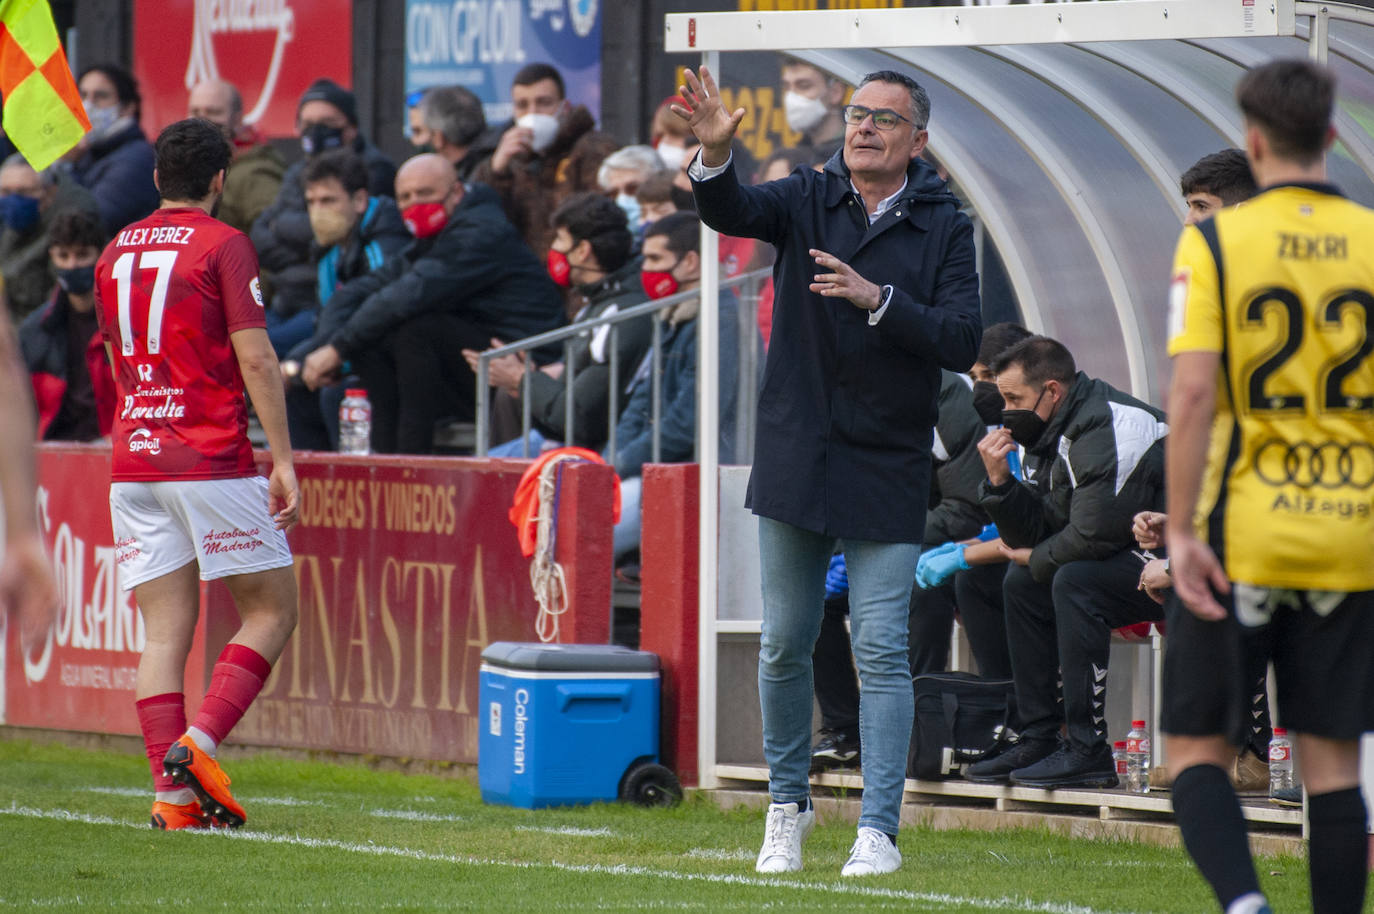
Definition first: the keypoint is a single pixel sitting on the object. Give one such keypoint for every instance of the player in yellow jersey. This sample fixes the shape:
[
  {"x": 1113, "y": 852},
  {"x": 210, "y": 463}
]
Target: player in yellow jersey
[{"x": 1272, "y": 547}]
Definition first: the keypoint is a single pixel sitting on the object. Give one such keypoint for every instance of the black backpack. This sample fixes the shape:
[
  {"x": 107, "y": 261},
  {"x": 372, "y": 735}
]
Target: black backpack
[{"x": 960, "y": 718}]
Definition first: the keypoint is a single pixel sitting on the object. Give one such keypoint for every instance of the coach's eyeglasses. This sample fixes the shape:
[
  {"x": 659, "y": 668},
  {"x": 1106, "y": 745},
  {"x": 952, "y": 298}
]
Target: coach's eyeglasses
[{"x": 883, "y": 118}]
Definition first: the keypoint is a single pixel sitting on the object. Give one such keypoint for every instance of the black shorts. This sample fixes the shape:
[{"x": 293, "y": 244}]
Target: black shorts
[{"x": 1323, "y": 666}]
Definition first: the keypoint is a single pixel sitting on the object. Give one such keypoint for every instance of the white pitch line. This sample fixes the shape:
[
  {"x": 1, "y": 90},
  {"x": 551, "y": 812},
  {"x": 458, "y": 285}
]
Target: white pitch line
[
  {"x": 412, "y": 815},
  {"x": 148, "y": 793},
  {"x": 1003, "y": 903},
  {"x": 715, "y": 853},
  {"x": 568, "y": 830}
]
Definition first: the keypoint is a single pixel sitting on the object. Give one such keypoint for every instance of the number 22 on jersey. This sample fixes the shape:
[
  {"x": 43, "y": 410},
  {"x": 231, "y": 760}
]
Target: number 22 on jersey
[{"x": 123, "y": 273}]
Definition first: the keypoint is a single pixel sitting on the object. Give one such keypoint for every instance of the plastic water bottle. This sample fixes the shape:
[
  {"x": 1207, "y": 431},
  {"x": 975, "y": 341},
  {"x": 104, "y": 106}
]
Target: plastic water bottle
[
  {"x": 1138, "y": 758},
  {"x": 355, "y": 422},
  {"x": 1280, "y": 762},
  {"x": 1119, "y": 758}
]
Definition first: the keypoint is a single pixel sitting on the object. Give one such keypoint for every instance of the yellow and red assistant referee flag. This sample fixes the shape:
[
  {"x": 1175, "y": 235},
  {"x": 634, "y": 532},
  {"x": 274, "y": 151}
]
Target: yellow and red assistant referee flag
[{"x": 43, "y": 112}]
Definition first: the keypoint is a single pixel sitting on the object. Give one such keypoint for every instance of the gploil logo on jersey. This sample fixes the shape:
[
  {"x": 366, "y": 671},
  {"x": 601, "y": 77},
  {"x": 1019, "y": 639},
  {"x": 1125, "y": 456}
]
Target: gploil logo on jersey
[{"x": 214, "y": 17}]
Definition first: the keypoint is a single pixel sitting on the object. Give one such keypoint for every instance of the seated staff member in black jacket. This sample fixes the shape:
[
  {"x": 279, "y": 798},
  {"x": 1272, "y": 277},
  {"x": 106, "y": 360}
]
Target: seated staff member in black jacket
[
  {"x": 467, "y": 277},
  {"x": 1094, "y": 457}
]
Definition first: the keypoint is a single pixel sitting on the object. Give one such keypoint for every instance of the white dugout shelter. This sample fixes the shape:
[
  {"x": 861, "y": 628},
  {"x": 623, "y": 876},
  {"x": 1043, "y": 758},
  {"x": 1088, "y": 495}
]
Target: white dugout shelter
[{"x": 1065, "y": 128}]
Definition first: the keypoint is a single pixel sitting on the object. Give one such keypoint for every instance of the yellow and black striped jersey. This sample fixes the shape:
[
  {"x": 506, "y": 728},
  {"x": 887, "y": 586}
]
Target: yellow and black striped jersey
[{"x": 1283, "y": 288}]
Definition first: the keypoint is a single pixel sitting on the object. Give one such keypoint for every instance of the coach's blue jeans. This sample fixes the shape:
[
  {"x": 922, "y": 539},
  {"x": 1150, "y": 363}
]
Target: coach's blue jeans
[{"x": 794, "y": 563}]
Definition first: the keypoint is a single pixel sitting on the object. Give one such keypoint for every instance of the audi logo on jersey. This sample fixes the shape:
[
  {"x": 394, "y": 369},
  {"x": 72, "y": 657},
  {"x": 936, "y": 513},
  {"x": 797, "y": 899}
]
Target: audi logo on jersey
[
  {"x": 142, "y": 441},
  {"x": 1328, "y": 465}
]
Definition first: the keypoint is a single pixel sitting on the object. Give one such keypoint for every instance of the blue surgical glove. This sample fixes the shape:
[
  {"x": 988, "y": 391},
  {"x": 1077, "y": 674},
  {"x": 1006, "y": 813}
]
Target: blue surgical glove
[
  {"x": 836, "y": 578},
  {"x": 939, "y": 565},
  {"x": 988, "y": 533}
]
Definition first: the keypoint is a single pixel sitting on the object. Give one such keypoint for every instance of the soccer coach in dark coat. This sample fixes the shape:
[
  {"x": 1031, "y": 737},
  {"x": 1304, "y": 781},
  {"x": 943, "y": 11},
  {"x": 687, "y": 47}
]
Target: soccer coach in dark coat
[{"x": 876, "y": 292}]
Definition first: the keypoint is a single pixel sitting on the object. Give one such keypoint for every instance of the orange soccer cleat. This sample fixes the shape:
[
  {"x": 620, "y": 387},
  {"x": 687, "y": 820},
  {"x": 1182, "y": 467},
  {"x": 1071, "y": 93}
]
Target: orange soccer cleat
[
  {"x": 187, "y": 765},
  {"x": 170, "y": 817}
]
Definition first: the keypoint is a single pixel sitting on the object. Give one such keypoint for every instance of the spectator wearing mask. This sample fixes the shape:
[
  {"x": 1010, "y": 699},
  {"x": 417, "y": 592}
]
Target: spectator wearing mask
[
  {"x": 449, "y": 120},
  {"x": 29, "y": 202},
  {"x": 1094, "y": 457},
  {"x": 672, "y": 264},
  {"x": 255, "y": 176},
  {"x": 326, "y": 118},
  {"x": 464, "y": 280},
  {"x": 550, "y": 150},
  {"x": 621, "y": 174},
  {"x": 813, "y": 102},
  {"x": 592, "y": 256},
  {"x": 669, "y": 135},
  {"x": 355, "y": 233},
  {"x": 63, "y": 350},
  {"x": 115, "y": 160}
]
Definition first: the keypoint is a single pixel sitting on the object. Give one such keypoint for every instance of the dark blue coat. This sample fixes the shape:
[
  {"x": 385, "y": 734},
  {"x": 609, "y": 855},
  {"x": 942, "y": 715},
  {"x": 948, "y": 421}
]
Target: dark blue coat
[
  {"x": 118, "y": 171},
  {"x": 846, "y": 409}
]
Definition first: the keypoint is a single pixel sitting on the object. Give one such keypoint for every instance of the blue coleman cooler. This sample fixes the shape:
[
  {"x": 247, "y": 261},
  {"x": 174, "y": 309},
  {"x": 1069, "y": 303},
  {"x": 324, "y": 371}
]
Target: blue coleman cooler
[{"x": 564, "y": 724}]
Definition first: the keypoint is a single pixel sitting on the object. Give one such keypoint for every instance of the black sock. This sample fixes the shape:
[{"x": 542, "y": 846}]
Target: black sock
[
  {"x": 891, "y": 837},
  {"x": 803, "y": 805},
  {"x": 1213, "y": 828},
  {"x": 1337, "y": 851}
]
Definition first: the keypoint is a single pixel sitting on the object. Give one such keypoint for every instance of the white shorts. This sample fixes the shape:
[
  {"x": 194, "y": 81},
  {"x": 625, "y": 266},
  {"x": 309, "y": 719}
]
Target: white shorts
[{"x": 222, "y": 524}]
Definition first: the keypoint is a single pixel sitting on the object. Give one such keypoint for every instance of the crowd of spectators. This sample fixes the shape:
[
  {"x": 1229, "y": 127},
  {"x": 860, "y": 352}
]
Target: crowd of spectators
[{"x": 395, "y": 279}]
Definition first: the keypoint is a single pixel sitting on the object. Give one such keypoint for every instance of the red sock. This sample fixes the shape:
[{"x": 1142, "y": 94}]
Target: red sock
[
  {"x": 237, "y": 678},
  {"x": 162, "y": 718}
]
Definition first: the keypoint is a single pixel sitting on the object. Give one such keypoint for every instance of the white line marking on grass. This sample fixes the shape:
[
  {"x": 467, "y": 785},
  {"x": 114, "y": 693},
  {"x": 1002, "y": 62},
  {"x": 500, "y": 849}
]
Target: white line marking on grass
[
  {"x": 147, "y": 793},
  {"x": 568, "y": 830},
  {"x": 715, "y": 853},
  {"x": 412, "y": 815},
  {"x": 934, "y": 900}
]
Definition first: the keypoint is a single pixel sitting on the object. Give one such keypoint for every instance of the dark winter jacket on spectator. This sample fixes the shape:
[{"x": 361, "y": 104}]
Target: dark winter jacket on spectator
[
  {"x": 253, "y": 182},
  {"x": 954, "y": 513},
  {"x": 118, "y": 171},
  {"x": 43, "y": 339},
  {"x": 283, "y": 238},
  {"x": 846, "y": 409},
  {"x": 678, "y": 409},
  {"x": 476, "y": 267},
  {"x": 533, "y": 185},
  {"x": 1099, "y": 461},
  {"x": 590, "y": 357}
]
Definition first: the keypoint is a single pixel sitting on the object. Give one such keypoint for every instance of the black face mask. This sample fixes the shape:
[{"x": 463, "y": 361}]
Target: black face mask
[
  {"x": 988, "y": 402},
  {"x": 318, "y": 138},
  {"x": 77, "y": 280},
  {"x": 1025, "y": 425},
  {"x": 683, "y": 199}
]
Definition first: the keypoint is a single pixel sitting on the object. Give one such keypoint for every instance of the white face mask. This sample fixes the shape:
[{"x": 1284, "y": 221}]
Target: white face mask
[
  {"x": 545, "y": 127},
  {"x": 102, "y": 118},
  {"x": 803, "y": 113},
  {"x": 672, "y": 155}
]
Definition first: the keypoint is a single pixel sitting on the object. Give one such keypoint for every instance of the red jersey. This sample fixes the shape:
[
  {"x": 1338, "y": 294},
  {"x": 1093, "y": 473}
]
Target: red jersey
[{"x": 169, "y": 290}]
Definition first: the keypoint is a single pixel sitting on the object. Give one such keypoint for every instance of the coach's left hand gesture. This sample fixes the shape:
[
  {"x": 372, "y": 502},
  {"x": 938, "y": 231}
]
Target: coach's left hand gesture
[{"x": 841, "y": 281}]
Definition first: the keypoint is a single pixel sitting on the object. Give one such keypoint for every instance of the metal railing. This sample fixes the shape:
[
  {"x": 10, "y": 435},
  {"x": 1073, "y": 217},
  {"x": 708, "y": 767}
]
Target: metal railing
[{"x": 750, "y": 286}]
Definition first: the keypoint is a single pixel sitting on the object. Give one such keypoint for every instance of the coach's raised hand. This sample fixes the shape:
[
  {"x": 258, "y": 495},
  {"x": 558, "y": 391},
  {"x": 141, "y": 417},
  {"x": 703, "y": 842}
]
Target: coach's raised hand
[{"x": 709, "y": 120}]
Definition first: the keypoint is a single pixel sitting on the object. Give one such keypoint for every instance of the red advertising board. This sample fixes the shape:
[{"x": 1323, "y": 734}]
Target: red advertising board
[
  {"x": 406, "y": 568},
  {"x": 83, "y": 676},
  {"x": 270, "y": 49}
]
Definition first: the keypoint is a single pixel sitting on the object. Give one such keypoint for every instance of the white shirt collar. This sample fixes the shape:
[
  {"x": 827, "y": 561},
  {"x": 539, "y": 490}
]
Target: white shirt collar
[{"x": 883, "y": 205}]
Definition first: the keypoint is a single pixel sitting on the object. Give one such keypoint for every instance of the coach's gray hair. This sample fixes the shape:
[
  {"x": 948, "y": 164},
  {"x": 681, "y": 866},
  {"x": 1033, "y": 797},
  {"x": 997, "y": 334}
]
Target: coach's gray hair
[
  {"x": 643, "y": 159},
  {"x": 920, "y": 101}
]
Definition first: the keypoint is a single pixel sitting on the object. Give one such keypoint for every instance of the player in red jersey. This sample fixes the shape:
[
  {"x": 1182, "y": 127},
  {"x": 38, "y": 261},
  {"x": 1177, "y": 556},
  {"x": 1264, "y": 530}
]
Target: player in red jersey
[{"x": 179, "y": 305}]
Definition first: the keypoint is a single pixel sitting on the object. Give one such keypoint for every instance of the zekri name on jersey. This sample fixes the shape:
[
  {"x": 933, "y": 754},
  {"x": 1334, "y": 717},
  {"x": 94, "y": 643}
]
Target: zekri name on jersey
[{"x": 158, "y": 234}]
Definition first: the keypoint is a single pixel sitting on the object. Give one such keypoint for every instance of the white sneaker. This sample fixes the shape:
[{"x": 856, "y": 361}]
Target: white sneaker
[
  {"x": 873, "y": 853},
  {"x": 783, "y": 835}
]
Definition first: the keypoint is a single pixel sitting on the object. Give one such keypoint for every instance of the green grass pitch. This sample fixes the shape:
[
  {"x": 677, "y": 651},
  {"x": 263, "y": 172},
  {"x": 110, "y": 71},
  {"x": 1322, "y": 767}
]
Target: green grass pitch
[{"x": 340, "y": 836}]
